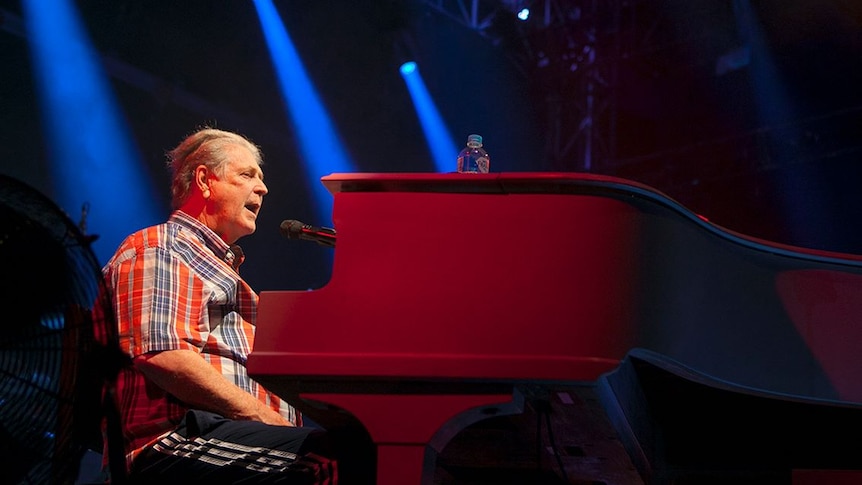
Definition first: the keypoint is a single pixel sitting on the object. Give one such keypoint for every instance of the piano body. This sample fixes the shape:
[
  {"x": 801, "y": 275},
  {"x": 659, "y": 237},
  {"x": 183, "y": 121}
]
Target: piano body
[{"x": 452, "y": 292}]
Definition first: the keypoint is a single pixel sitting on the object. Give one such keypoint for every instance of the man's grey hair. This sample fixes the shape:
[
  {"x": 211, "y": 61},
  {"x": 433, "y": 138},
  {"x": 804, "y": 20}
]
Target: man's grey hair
[{"x": 203, "y": 147}]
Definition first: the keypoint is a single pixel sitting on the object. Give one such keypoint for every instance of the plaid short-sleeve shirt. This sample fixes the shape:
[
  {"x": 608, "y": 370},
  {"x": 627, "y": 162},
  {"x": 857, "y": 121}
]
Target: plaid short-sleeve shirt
[{"x": 172, "y": 286}]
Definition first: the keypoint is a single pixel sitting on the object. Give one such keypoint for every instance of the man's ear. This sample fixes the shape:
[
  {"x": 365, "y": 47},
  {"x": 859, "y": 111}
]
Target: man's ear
[{"x": 201, "y": 178}]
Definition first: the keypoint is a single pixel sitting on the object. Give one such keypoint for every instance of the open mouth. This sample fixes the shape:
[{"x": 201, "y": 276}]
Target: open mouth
[{"x": 253, "y": 208}]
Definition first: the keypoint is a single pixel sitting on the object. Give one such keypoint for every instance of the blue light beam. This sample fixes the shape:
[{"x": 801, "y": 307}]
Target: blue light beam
[
  {"x": 443, "y": 149},
  {"x": 802, "y": 192},
  {"x": 319, "y": 144},
  {"x": 94, "y": 162}
]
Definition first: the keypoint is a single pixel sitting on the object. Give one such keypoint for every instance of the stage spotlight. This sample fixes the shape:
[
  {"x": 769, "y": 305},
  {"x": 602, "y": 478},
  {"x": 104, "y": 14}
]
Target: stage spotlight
[
  {"x": 519, "y": 8},
  {"x": 408, "y": 67}
]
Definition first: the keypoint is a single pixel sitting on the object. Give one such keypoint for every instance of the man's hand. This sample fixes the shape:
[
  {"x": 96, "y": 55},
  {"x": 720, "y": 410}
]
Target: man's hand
[{"x": 189, "y": 377}]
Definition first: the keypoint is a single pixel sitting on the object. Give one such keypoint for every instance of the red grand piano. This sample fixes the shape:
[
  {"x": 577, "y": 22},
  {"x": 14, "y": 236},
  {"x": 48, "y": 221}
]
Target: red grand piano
[{"x": 450, "y": 291}]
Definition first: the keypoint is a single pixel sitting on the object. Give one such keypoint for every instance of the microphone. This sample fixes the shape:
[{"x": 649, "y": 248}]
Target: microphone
[{"x": 297, "y": 230}]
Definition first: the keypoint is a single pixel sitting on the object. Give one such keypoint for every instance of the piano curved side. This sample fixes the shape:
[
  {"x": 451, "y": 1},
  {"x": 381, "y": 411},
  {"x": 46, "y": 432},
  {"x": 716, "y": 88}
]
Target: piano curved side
[{"x": 464, "y": 287}]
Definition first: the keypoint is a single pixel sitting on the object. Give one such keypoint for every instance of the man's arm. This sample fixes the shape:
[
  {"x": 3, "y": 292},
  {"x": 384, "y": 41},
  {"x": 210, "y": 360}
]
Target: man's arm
[{"x": 187, "y": 376}]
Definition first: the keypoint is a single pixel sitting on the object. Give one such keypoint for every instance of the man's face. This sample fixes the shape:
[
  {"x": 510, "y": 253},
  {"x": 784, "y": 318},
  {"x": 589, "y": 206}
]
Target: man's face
[{"x": 236, "y": 197}]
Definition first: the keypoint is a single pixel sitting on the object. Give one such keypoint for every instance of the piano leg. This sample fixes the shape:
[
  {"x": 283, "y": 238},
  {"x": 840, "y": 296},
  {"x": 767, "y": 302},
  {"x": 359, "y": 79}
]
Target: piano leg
[{"x": 403, "y": 425}]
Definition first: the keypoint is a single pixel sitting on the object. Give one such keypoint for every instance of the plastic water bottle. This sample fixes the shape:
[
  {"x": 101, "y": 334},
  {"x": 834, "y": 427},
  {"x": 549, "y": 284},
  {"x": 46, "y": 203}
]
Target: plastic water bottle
[{"x": 473, "y": 158}]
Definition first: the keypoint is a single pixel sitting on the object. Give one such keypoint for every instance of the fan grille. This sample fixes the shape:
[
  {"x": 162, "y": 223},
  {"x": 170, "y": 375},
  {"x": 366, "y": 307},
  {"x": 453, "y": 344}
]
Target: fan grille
[{"x": 49, "y": 398}]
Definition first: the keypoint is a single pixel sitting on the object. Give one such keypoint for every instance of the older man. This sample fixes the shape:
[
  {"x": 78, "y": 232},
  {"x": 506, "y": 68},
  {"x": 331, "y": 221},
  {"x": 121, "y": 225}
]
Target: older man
[{"x": 186, "y": 320}]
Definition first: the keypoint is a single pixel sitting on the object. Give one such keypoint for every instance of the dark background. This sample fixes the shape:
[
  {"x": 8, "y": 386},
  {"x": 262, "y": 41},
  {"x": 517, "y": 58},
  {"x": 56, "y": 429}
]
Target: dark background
[{"x": 631, "y": 88}]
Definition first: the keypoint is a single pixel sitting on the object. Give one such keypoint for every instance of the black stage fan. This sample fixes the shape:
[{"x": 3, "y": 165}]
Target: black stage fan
[{"x": 51, "y": 365}]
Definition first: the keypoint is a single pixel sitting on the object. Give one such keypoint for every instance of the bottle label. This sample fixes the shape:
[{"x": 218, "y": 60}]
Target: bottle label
[
  {"x": 468, "y": 163},
  {"x": 483, "y": 164}
]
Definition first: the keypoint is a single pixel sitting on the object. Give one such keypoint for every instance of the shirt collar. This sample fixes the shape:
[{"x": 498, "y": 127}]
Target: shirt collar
[{"x": 232, "y": 255}]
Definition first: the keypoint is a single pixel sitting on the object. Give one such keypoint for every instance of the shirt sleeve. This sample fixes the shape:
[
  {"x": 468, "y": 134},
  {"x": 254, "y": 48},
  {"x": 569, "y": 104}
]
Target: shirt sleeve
[{"x": 159, "y": 304}]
